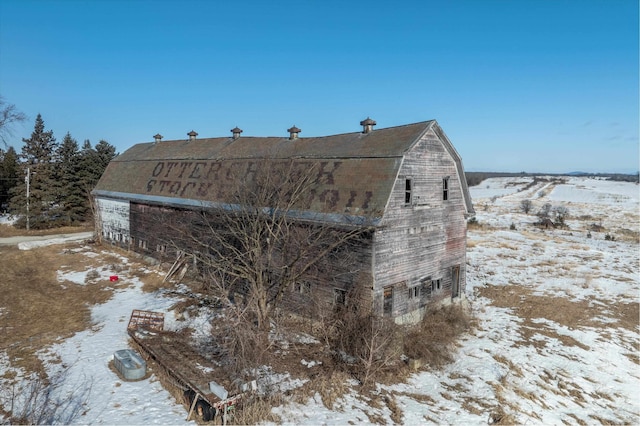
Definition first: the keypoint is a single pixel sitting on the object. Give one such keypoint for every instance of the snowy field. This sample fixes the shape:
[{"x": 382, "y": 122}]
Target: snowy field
[{"x": 556, "y": 337}]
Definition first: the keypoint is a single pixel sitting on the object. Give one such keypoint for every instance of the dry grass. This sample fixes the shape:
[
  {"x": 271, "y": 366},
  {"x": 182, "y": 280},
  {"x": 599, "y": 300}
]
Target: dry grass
[
  {"x": 257, "y": 410},
  {"x": 37, "y": 309},
  {"x": 561, "y": 310},
  {"x": 434, "y": 337},
  {"x": 10, "y": 231}
]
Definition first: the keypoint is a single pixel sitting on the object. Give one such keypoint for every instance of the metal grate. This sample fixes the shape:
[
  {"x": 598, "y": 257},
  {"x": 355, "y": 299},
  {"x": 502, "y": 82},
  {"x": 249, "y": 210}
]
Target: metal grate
[{"x": 146, "y": 319}]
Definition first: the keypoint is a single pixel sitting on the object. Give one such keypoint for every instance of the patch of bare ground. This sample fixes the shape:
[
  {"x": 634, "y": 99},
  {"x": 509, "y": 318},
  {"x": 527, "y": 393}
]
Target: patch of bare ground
[
  {"x": 389, "y": 399},
  {"x": 37, "y": 309},
  {"x": 419, "y": 397},
  {"x": 570, "y": 313},
  {"x": 625, "y": 234}
]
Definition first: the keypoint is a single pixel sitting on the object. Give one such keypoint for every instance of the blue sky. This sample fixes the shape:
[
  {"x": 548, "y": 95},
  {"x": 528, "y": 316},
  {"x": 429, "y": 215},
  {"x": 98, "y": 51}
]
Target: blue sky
[{"x": 536, "y": 86}]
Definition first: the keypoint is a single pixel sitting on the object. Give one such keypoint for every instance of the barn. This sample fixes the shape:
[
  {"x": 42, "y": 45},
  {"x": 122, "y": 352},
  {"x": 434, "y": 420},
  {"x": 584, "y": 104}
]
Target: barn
[{"x": 405, "y": 183}]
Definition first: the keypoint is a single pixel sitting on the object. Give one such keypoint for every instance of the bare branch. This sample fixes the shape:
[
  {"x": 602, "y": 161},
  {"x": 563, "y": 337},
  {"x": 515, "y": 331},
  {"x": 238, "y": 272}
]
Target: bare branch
[{"x": 9, "y": 115}]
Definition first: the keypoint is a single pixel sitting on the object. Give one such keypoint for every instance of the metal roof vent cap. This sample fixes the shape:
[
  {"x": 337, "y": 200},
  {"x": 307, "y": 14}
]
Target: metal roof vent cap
[
  {"x": 236, "y": 132},
  {"x": 293, "y": 132},
  {"x": 158, "y": 137},
  {"x": 192, "y": 135},
  {"x": 367, "y": 125}
]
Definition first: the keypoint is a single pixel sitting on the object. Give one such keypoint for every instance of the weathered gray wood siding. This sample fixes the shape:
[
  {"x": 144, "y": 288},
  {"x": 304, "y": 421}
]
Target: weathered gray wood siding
[{"x": 423, "y": 240}]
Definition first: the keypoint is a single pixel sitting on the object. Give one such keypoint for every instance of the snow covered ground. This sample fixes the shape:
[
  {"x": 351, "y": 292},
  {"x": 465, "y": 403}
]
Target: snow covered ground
[{"x": 556, "y": 339}]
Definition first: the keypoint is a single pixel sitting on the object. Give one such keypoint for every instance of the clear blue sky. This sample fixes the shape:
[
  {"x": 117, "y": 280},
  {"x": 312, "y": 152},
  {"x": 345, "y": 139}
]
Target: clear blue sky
[{"x": 520, "y": 85}]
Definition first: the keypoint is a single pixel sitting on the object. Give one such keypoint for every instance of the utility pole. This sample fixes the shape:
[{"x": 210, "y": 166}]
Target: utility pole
[{"x": 27, "y": 179}]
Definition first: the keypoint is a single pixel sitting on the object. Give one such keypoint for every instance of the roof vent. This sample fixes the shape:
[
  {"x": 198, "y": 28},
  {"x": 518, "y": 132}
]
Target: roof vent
[
  {"x": 367, "y": 125},
  {"x": 192, "y": 135},
  {"x": 157, "y": 137},
  {"x": 236, "y": 132},
  {"x": 293, "y": 132}
]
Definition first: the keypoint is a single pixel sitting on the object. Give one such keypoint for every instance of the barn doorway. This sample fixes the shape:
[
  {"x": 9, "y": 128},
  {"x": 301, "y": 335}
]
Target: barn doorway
[
  {"x": 455, "y": 281},
  {"x": 387, "y": 305}
]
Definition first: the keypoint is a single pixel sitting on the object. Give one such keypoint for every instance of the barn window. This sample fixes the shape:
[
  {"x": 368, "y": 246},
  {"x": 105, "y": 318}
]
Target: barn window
[
  {"x": 407, "y": 191},
  {"x": 387, "y": 305},
  {"x": 303, "y": 287},
  {"x": 435, "y": 285},
  {"x": 445, "y": 189},
  {"x": 142, "y": 244},
  {"x": 414, "y": 292},
  {"x": 339, "y": 296}
]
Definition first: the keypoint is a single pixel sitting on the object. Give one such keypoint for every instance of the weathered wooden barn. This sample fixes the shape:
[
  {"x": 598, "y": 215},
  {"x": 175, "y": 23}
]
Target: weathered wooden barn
[{"x": 406, "y": 181}]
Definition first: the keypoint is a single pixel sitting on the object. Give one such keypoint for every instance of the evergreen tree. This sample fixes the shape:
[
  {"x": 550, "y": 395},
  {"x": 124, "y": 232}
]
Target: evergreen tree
[
  {"x": 40, "y": 147},
  {"x": 106, "y": 153},
  {"x": 92, "y": 163},
  {"x": 10, "y": 175},
  {"x": 37, "y": 154},
  {"x": 70, "y": 198}
]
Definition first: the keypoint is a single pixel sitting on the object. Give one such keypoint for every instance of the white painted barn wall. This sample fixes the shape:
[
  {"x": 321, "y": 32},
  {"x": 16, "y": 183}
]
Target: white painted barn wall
[{"x": 114, "y": 216}]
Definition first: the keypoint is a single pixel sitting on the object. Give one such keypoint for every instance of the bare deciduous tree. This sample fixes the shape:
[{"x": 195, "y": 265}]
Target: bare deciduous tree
[
  {"x": 544, "y": 211},
  {"x": 526, "y": 206},
  {"x": 9, "y": 115},
  {"x": 561, "y": 214},
  {"x": 264, "y": 239}
]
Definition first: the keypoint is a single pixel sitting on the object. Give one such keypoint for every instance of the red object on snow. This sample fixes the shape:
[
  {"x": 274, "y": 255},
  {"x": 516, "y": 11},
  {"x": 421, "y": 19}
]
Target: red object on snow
[{"x": 113, "y": 278}]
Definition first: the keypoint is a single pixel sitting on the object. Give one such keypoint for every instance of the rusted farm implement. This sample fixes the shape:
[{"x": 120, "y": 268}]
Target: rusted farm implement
[{"x": 186, "y": 367}]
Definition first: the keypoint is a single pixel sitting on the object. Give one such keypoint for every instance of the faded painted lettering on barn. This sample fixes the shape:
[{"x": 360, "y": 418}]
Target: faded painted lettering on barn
[{"x": 209, "y": 179}]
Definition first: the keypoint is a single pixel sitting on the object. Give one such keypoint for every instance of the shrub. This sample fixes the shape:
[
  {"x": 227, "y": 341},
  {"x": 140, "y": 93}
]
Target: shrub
[
  {"x": 526, "y": 206},
  {"x": 91, "y": 275},
  {"x": 432, "y": 338}
]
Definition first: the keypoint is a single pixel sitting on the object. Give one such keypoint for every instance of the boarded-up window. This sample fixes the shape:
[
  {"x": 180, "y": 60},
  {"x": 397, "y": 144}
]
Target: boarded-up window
[
  {"x": 407, "y": 191},
  {"x": 387, "y": 306},
  {"x": 445, "y": 189},
  {"x": 414, "y": 292},
  {"x": 303, "y": 287},
  {"x": 455, "y": 281}
]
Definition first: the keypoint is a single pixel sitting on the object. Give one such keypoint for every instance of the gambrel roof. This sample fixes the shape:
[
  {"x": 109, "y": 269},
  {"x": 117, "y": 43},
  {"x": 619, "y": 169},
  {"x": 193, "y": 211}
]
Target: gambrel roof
[{"x": 356, "y": 171}]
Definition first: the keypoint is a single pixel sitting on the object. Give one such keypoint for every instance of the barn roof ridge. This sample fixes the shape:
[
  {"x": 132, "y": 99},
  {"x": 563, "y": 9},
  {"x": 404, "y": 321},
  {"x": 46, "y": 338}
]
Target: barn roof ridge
[{"x": 426, "y": 122}]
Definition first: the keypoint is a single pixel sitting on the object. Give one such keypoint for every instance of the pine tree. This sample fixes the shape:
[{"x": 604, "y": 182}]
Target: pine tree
[
  {"x": 69, "y": 195},
  {"x": 37, "y": 153},
  {"x": 10, "y": 175},
  {"x": 92, "y": 163},
  {"x": 40, "y": 147}
]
